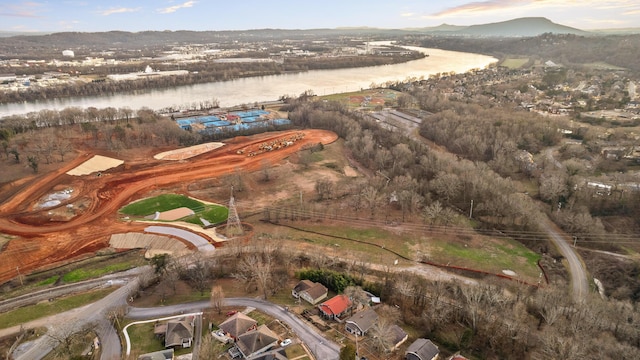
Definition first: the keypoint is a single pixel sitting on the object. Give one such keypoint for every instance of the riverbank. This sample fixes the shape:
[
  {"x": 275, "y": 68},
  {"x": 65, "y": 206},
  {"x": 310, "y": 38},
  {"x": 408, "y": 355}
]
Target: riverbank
[{"x": 267, "y": 88}]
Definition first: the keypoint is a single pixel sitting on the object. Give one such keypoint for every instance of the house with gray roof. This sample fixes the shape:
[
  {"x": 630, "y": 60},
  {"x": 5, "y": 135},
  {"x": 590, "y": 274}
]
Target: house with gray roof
[
  {"x": 310, "y": 291},
  {"x": 397, "y": 335},
  {"x": 255, "y": 342},
  {"x": 237, "y": 324},
  {"x": 361, "y": 322},
  {"x": 179, "y": 333},
  {"x": 422, "y": 349}
]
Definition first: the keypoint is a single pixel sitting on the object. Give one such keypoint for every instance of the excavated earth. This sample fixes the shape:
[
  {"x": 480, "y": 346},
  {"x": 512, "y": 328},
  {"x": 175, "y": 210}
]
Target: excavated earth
[{"x": 84, "y": 222}]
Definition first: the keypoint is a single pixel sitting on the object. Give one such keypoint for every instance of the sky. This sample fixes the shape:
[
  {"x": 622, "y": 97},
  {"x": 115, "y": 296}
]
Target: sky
[{"x": 142, "y": 15}]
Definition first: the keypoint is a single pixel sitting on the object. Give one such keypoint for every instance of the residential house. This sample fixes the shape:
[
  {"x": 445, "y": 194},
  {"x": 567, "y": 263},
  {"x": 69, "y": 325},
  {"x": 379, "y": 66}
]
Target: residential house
[
  {"x": 335, "y": 307},
  {"x": 179, "y": 333},
  {"x": 310, "y": 291},
  {"x": 166, "y": 354},
  {"x": 237, "y": 324},
  {"x": 398, "y": 336},
  {"x": 422, "y": 349},
  {"x": 257, "y": 341},
  {"x": 361, "y": 322}
]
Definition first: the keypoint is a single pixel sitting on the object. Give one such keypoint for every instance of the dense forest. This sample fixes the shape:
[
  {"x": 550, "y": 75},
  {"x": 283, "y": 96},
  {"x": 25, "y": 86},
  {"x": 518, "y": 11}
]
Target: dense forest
[{"x": 617, "y": 50}]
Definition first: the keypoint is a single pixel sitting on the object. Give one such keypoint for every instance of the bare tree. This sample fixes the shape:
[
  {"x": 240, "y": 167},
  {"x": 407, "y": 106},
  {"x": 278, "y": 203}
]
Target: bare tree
[
  {"x": 549, "y": 303},
  {"x": 552, "y": 187},
  {"x": 217, "y": 298},
  {"x": 198, "y": 272},
  {"x": 446, "y": 185},
  {"x": 371, "y": 198},
  {"x": 255, "y": 269},
  {"x": 358, "y": 296},
  {"x": 381, "y": 334},
  {"x": 324, "y": 188}
]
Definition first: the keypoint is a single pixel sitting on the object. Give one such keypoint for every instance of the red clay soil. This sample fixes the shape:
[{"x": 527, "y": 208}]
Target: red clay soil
[{"x": 40, "y": 241}]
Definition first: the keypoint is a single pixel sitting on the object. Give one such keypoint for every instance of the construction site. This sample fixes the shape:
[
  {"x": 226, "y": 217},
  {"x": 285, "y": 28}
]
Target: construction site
[{"x": 89, "y": 191}]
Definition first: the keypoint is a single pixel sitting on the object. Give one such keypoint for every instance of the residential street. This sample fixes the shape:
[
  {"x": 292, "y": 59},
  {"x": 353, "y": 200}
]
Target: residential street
[
  {"x": 93, "y": 315},
  {"x": 321, "y": 347},
  {"x": 579, "y": 283}
]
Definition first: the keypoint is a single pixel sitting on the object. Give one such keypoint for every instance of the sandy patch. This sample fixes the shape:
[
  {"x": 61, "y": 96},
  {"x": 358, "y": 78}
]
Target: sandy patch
[
  {"x": 95, "y": 164},
  {"x": 350, "y": 172},
  {"x": 174, "y": 214},
  {"x": 181, "y": 154}
]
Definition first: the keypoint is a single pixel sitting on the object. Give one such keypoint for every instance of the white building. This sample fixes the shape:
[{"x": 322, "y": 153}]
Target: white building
[{"x": 68, "y": 53}]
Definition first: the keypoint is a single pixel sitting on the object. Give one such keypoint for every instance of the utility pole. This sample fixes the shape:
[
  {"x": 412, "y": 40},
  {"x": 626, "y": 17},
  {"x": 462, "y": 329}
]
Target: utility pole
[
  {"x": 575, "y": 239},
  {"x": 19, "y": 275},
  {"x": 471, "y": 210}
]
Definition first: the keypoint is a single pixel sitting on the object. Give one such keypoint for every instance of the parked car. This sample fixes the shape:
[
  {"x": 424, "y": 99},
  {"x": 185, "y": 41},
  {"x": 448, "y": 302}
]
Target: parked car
[{"x": 285, "y": 342}]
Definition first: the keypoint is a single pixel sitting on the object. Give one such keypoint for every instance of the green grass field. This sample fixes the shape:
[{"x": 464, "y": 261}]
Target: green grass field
[
  {"x": 212, "y": 213},
  {"x": 514, "y": 63},
  {"x": 90, "y": 273},
  {"x": 161, "y": 203},
  {"x": 482, "y": 253},
  {"x": 143, "y": 339},
  {"x": 37, "y": 311}
]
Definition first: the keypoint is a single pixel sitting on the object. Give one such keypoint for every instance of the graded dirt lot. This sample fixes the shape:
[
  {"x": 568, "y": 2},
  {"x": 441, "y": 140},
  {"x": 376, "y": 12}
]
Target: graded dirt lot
[{"x": 41, "y": 237}]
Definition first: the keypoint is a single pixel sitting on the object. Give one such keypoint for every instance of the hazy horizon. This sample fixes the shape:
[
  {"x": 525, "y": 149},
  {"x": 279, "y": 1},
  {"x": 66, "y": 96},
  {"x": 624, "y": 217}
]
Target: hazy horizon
[{"x": 202, "y": 15}]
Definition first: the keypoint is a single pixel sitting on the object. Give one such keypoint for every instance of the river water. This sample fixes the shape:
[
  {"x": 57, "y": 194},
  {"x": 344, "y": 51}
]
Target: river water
[{"x": 269, "y": 88}]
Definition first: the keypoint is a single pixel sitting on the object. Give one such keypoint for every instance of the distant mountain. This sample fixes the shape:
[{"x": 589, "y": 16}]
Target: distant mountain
[
  {"x": 522, "y": 27},
  {"x": 439, "y": 28}
]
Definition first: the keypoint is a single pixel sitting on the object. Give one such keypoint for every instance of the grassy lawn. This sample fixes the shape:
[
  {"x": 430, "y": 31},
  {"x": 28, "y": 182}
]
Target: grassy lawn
[
  {"x": 488, "y": 254},
  {"x": 142, "y": 338},
  {"x": 48, "y": 281},
  {"x": 90, "y": 273},
  {"x": 514, "y": 63},
  {"x": 212, "y": 213},
  {"x": 481, "y": 253},
  {"x": 32, "y": 312},
  {"x": 377, "y": 96},
  {"x": 375, "y": 240},
  {"x": 161, "y": 203},
  {"x": 295, "y": 351}
]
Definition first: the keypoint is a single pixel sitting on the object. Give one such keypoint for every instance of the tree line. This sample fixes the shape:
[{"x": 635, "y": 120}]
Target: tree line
[{"x": 485, "y": 320}]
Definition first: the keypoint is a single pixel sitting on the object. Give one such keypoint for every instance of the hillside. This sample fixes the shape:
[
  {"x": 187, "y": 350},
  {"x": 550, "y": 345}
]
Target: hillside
[{"x": 533, "y": 26}]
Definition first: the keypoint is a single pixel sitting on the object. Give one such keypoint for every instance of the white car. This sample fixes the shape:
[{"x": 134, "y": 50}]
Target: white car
[{"x": 285, "y": 342}]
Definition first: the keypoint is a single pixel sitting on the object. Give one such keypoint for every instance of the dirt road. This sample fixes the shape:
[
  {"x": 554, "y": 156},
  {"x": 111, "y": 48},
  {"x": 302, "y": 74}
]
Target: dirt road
[{"x": 40, "y": 241}]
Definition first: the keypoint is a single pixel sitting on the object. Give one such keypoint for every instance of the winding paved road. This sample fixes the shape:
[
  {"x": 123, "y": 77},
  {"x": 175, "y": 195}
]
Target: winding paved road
[
  {"x": 321, "y": 347},
  {"x": 579, "y": 283}
]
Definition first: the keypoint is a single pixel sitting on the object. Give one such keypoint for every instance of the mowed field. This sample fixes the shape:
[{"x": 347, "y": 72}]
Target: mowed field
[{"x": 371, "y": 98}]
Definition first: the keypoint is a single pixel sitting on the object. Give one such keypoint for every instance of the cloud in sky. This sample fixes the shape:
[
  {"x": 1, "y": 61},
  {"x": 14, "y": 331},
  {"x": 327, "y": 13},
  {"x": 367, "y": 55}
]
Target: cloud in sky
[
  {"x": 486, "y": 6},
  {"x": 172, "y": 9},
  {"x": 119, "y": 11},
  {"x": 25, "y": 9}
]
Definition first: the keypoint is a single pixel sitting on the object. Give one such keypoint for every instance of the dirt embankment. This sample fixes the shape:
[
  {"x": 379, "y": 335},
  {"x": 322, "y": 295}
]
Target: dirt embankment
[{"x": 41, "y": 239}]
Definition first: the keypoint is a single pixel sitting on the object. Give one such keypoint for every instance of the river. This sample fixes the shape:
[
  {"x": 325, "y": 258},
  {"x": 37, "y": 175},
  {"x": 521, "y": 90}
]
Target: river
[{"x": 269, "y": 88}]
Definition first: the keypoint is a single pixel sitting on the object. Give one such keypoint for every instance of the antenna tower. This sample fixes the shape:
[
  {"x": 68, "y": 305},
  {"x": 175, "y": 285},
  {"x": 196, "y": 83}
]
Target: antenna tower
[{"x": 234, "y": 227}]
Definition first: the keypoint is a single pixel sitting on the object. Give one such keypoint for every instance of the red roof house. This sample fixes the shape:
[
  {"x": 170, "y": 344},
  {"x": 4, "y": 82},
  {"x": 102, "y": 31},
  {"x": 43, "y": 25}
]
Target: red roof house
[{"x": 335, "y": 307}]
